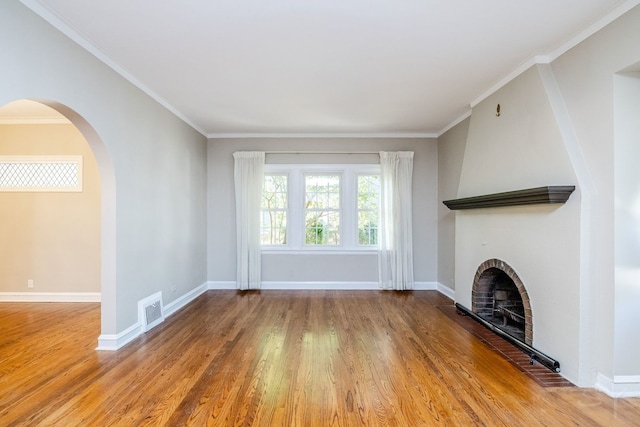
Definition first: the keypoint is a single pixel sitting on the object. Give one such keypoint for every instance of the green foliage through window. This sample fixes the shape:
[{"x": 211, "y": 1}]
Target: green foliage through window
[
  {"x": 273, "y": 219},
  {"x": 322, "y": 209},
  {"x": 368, "y": 209}
]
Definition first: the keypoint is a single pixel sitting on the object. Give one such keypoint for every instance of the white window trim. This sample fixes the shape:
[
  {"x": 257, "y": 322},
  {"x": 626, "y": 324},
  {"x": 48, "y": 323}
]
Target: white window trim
[
  {"x": 348, "y": 212},
  {"x": 77, "y": 160}
]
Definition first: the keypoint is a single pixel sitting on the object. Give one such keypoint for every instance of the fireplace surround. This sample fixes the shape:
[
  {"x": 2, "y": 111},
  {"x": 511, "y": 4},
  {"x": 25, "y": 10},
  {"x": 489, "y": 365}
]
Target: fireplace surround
[
  {"x": 496, "y": 274},
  {"x": 499, "y": 296}
]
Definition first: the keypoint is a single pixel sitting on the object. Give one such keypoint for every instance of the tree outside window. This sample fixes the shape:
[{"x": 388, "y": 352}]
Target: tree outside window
[
  {"x": 318, "y": 207},
  {"x": 273, "y": 220},
  {"x": 368, "y": 209},
  {"x": 322, "y": 209}
]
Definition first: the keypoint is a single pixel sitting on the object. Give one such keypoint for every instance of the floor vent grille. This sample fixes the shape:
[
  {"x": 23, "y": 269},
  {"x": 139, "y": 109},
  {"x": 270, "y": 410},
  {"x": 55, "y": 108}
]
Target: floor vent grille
[{"x": 150, "y": 311}]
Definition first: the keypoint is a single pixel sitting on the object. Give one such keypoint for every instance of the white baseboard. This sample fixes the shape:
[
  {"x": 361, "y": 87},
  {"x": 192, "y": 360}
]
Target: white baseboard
[
  {"x": 373, "y": 286},
  {"x": 185, "y": 299},
  {"x": 221, "y": 285},
  {"x": 619, "y": 386},
  {"x": 447, "y": 291},
  {"x": 273, "y": 285},
  {"x": 50, "y": 297},
  {"x": 113, "y": 342},
  {"x": 345, "y": 286},
  {"x": 425, "y": 286}
]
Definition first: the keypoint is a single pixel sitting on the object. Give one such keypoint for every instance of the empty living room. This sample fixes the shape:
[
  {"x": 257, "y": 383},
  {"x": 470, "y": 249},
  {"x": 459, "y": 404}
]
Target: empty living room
[{"x": 300, "y": 213}]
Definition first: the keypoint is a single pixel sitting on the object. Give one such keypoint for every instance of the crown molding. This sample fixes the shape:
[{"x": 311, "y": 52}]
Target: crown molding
[
  {"x": 593, "y": 28},
  {"x": 454, "y": 123},
  {"x": 322, "y": 135},
  {"x": 552, "y": 56},
  {"x": 503, "y": 81},
  {"x": 65, "y": 28}
]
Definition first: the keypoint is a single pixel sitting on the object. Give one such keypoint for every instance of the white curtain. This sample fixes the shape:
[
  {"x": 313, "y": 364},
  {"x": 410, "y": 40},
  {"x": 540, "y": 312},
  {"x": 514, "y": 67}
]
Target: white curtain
[
  {"x": 248, "y": 176},
  {"x": 395, "y": 256}
]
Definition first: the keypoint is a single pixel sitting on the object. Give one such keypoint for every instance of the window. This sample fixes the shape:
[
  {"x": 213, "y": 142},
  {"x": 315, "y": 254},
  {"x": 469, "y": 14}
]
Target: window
[
  {"x": 41, "y": 173},
  {"x": 368, "y": 209},
  {"x": 320, "y": 207},
  {"x": 273, "y": 221}
]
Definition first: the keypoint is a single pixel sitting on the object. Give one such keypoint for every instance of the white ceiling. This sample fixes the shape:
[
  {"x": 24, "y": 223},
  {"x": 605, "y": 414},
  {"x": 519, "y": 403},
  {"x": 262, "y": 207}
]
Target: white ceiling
[{"x": 327, "y": 67}]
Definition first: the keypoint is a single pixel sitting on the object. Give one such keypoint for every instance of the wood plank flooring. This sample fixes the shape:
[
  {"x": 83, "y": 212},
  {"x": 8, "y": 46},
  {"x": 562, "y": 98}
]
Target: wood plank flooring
[
  {"x": 278, "y": 358},
  {"x": 538, "y": 372}
]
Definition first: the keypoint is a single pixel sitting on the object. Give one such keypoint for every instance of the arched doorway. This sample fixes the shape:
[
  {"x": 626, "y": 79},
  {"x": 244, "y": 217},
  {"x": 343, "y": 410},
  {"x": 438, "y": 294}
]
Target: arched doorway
[{"x": 98, "y": 219}]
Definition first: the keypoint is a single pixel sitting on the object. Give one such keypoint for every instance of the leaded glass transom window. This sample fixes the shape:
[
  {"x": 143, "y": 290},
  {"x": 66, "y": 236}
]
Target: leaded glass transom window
[{"x": 40, "y": 173}]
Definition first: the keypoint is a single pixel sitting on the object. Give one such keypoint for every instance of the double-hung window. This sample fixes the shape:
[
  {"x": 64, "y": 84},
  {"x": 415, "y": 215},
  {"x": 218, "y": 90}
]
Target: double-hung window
[
  {"x": 368, "y": 194},
  {"x": 273, "y": 210},
  {"x": 320, "y": 207}
]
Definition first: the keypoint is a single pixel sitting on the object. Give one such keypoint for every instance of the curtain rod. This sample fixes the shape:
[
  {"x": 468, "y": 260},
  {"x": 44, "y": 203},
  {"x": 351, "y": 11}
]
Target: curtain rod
[{"x": 322, "y": 152}]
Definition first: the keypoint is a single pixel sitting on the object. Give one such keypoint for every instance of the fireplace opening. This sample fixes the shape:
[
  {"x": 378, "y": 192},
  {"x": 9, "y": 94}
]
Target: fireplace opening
[{"x": 499, "y": 297}]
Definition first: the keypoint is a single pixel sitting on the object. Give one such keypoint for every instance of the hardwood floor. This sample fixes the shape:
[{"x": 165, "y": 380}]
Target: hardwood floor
[{"x": 277, "y": 358}]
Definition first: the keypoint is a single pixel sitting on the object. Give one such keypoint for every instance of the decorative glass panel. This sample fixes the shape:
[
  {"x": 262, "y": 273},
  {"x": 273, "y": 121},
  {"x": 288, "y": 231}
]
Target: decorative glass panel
[{"x": 41, "y": 173}]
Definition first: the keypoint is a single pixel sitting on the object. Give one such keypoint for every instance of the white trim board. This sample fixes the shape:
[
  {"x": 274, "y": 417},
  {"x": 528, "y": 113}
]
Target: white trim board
[
  {"x": 184, "y": 300},
  {"x": 112, "y": 342},
  {"x": 50, "y": 297},
  {"x": 323, "y": 135},
  {"x": 619, "y": 386},
  {"x": 347, "y": 286},
  {"x": 446, "y": 291}
]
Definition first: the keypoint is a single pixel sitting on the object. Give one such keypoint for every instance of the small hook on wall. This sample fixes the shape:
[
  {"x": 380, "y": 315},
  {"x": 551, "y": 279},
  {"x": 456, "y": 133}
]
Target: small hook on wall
[{"x": 498, "y": 111}]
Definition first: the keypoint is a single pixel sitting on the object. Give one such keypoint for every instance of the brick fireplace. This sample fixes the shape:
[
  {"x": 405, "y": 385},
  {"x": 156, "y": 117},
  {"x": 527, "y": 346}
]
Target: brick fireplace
[{"x": 499, "y": 297}]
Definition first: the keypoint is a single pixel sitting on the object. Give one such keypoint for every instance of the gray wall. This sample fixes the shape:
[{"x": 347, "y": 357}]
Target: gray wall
[
  {"x": 557, "y": 126},
  {"x": 152, "y": 165},
  {"x": 451, "y": 147},
  {"x": 585, "y": 76},
  {"x": 314, "y": 267},
  {"x": 627, "y": 221}
]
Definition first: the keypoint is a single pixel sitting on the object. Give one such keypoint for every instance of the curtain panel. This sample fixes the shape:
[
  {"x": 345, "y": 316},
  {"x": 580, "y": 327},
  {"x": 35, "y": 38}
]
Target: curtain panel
[
  {"x": 248, "y": 174},
  {"x": 395, "y": 256}
]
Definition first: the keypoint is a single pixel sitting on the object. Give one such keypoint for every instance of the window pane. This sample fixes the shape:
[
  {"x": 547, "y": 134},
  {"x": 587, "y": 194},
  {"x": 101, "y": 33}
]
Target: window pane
[
  {"x": 367, "y": 228},
  {"x": 274, "y": 228},
  {"x": 322, "y": 209},
  {"x": 312, "y": 201},
  {"x": 368, "y": 204},
  {"x": 322, "y": 191},
  {"x": 322, "y": 228},
  {"x": 333, "y": 201},
  {"x": 273, "y": 220},
  {"x": 314, "y": 229}
]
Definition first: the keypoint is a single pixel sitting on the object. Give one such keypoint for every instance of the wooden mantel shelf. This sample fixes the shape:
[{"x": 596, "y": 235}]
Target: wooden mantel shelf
[{"x": 530, "y": 196}]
